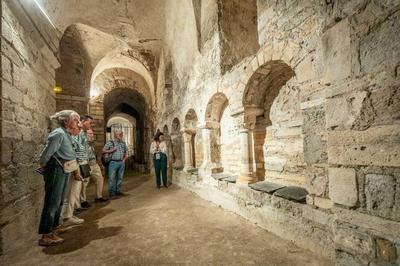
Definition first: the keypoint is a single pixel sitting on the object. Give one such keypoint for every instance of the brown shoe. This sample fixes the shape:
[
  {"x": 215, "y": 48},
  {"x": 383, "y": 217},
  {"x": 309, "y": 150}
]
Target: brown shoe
[
  {"x": 50, "y": 240},
  {"x": 59, "y": 230}
]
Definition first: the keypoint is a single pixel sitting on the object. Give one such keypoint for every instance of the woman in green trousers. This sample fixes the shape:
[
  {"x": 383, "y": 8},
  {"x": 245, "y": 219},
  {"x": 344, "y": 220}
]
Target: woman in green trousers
[{"x": 158, "y": 149}]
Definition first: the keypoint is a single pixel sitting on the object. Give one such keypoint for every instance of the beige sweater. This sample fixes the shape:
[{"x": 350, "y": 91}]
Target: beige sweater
[{"x": 162, "y": 147}]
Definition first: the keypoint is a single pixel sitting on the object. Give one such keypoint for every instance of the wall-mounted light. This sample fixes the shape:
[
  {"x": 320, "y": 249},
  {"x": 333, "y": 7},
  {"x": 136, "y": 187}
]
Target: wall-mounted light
[{"x": 57, "y": 89}]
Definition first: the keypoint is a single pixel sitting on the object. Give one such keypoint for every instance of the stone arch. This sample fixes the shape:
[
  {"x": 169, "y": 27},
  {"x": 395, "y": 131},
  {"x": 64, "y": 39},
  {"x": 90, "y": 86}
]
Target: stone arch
[
  {"x": 262, "y": 89},
  {"x": 175, "y": 127},
  {"x": 212, "y": 132},
  {"x": 132, "y": 103},
  {"x": 120, "y": 78},
  {"x": 177, "y": 144},
  {"x": 191, "y": 146},
  {"x": 127, "y": 124},
  {"x": 165, "y": 130},
  {"x": 125, "y": 59},
  {"x": 72, "y": 73}
]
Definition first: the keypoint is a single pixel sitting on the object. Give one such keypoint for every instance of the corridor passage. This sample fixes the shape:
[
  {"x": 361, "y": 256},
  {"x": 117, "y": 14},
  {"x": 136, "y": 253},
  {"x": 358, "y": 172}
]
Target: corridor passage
[{"x": 164, "y": 227}]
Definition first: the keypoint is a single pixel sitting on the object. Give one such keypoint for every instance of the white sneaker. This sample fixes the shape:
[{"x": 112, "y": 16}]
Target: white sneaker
[{"x": 73, "y": 220}]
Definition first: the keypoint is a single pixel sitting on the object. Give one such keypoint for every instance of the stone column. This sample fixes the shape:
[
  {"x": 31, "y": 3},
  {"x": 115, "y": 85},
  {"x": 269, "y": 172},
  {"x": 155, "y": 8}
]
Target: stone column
[
  {"x": 211, "y": 163},
  {"x": 246, "y": 124},
  {"x": 187, "y": 140}
]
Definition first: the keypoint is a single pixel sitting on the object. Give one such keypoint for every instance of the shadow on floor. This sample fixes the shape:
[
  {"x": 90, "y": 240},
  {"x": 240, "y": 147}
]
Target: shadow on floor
[{"x": 80, "y": 236}]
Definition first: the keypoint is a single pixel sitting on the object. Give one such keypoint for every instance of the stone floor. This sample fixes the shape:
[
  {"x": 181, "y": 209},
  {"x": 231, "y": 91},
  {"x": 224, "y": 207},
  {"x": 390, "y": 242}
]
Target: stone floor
[{"x": 165, "y": 227}]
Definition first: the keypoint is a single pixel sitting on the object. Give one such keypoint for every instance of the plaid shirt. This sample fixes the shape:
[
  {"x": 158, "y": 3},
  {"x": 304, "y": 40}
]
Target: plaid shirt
[{"x": 121, "y": 151}]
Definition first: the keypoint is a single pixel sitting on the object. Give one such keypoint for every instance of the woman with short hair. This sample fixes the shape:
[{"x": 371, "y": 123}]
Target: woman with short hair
[{"x": 58, "y": 157}]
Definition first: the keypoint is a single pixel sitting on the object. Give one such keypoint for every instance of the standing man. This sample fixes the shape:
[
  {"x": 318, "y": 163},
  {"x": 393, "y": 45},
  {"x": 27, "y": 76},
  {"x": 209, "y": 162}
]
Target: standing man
[
  {"x": 87, "y": 139},
  {"x": 118, "y": 151},
  {"x": 86, "y": 122},
  {"x": 95, "y": 168}
]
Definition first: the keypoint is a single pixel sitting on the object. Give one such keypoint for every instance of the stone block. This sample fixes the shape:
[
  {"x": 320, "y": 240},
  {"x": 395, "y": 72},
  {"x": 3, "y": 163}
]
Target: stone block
[
  {"x": 337, "y": 52},
  {"x": 6, "y": 69},
  {"x": 343, "y": 186},
  {"x": 11, "y": 93},
  {"x": 304, "y": 70},
  {"x": 344, "y": 110},
  {"x": 378, "y": 146},
  {"x": 317, "y": 181},
  {"x": 386, "y": 250},
  {"x": 381, "y": 44},
  {"x": 11, "y": 54},
  {"x": 292, "y": 193},
  {"x": 345, "y": 259},
  {"x": 379, "y": 193},
  {"x": 314, "y": 139},
  {"x": 323, "y": 203},
  {"x": 354, "y": 242},
  {"x": 275, "y": 163}
]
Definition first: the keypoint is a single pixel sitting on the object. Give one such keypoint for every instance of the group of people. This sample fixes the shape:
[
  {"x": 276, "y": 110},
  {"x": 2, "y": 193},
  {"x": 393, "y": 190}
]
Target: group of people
[{"x": 67, "y": 161}]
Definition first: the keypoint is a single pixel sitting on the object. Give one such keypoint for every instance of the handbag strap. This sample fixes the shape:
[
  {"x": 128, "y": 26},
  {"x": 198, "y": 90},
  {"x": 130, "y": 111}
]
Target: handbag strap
[{"x": 58, "y": 161}]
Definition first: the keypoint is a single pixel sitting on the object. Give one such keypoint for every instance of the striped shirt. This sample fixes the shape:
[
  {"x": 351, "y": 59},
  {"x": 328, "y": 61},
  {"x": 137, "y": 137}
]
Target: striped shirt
[{"x": 81, "y": 153}]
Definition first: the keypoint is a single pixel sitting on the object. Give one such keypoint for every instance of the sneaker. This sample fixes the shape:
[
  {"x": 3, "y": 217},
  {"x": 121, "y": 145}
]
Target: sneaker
[
  {"x": 50, "y": 240},
  {"x": 85, "y": 205},
  {"x": 120, "y": 194},
  {"x": 73, "y": 220},
  {"x": 100, "y": 200}
]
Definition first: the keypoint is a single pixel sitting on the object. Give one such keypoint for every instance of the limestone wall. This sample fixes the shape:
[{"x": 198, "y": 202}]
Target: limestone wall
[
  {"x": 332, "y": 125},
  {"x": 28, "y": 43}
]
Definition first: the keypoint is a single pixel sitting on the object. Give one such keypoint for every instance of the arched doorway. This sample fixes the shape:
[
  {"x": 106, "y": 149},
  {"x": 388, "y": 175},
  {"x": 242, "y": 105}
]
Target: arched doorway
[
  {"x": 212, "y": 131},
  {"x": 177, "y": 143},
  {"x": 189, "y": 138},
  {"x": 131, "y": 103},
  {"x": 126, "y": 124},
  {"x": 261, "y": 91}
]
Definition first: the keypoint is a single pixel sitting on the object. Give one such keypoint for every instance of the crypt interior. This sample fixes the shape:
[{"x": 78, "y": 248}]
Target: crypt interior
[{"x": 282, "y": 121}]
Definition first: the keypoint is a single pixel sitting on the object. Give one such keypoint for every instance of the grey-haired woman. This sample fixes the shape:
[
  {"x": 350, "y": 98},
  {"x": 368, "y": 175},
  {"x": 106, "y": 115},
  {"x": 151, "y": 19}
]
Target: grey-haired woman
[{"x": 58, "y": 150}]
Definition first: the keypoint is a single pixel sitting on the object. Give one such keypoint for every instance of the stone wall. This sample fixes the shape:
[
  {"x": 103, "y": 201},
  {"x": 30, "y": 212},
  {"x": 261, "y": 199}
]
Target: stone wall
[
  {"x": 331, "y": 128},
  {"x": 28, "y": 45}
]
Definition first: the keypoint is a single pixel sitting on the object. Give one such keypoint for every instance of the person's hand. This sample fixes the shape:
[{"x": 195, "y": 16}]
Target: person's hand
[
  {"x": 113, "y": 149},
  {"x": 77, "y": 176},
  {"x": 90, "y": 134}
]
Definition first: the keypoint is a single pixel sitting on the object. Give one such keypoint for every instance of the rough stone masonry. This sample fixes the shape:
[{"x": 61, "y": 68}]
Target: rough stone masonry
[{"x": 299, "y": 95}]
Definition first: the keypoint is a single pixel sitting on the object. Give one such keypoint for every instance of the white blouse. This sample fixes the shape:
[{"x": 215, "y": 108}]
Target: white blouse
[{"x": 162, "y": 147}]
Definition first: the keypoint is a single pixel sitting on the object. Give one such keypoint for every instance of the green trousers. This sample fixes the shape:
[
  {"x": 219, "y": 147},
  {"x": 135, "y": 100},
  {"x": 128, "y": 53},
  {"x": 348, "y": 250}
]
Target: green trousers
[{"x": 160, "y": 167}]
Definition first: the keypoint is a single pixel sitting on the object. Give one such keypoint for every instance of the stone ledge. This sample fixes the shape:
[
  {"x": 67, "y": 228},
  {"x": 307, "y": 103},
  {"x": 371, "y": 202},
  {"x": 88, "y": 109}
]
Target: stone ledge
[{"x": 305, "y": 224}]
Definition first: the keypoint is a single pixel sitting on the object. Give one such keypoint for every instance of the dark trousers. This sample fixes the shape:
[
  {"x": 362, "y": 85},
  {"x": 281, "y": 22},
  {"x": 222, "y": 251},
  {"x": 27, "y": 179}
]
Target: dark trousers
[
  {"x": 56, "y": 182},
  {"x": 160, "y": 167}
]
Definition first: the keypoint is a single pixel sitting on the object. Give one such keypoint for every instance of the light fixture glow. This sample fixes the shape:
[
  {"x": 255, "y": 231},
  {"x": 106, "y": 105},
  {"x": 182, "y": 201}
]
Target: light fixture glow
[
  {"x": 94, "y": 92},
  {"x": 57, "y": 89},
  {"x": 44, "y": 13}
]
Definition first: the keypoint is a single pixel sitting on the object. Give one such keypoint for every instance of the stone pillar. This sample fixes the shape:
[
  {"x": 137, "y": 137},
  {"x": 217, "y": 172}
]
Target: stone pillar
[
  {"x": 187, "y": 135},
  {"x": 247, "y": 175},
  {"x": 246, "y": 123},
  {"x": 212, "y": 160}
]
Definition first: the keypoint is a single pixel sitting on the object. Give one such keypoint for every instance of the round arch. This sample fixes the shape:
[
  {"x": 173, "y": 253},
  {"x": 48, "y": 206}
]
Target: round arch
[{"x": 260, "y": 92}]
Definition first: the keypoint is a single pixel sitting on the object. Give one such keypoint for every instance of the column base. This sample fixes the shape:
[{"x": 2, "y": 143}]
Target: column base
[
  {"x": 246, "y": 179},
  {"x": 188, "y": 169}
]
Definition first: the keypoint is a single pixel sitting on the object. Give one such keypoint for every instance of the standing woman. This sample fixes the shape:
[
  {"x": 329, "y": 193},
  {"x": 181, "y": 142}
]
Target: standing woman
[
  {"x": 159, "y": 151},
  {"x": 58, "y": 157}
]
